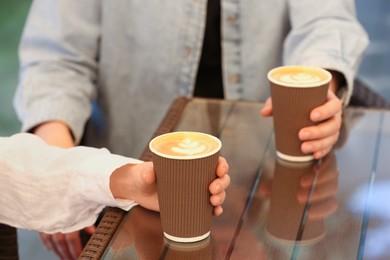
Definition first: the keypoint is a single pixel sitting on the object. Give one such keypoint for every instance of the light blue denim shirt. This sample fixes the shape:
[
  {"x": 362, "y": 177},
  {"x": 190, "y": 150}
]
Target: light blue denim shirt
[{"x": 129, "y": 59}]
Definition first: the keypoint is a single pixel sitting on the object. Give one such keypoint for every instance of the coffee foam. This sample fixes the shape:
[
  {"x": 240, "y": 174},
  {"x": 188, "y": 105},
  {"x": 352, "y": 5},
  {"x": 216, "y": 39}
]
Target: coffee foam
[
  {"x": 299, "y": 76},
  {"x": 186, "y": 145}
]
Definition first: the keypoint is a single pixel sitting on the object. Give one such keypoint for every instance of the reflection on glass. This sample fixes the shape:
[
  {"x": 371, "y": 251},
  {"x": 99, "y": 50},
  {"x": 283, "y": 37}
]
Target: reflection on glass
[
  {"x": 141, "y": 237},
  {"x": 198, "y": 250},
  {"x": 302, "y": 196},
  {"x": 375, "y": 201}
]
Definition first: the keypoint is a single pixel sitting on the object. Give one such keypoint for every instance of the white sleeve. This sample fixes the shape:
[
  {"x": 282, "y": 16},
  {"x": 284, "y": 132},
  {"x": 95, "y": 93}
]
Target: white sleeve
[{"x": 51, "y": 189}]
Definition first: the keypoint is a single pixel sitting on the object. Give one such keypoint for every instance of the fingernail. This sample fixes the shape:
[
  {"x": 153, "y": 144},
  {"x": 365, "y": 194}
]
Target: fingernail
[
  {"x": 316, "y": 115},
  {"x": 266, "y": 106},
  {"x": 308, "y": 148},
  {"x": 304, "y": 135}
]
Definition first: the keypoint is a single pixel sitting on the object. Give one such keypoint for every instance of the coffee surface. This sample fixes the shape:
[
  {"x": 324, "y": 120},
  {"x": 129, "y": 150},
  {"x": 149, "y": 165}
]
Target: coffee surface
[
  {"x": 185, "y": 144},
  {"x": 299, "y": 76}
]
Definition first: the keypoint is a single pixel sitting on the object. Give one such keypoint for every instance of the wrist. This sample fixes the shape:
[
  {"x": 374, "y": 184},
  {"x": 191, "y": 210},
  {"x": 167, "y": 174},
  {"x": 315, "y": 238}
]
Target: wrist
[
  {"x": 55, "y": 133},
  {"x": 338, "y": 81}
]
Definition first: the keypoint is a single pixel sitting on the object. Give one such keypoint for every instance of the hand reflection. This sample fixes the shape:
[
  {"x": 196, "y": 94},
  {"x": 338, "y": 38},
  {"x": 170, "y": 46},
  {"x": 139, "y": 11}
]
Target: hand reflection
[
  {"x": 302, "y": 195},
  {"x": 140, "y": 234},
  {"x": 324, "y": 177}
]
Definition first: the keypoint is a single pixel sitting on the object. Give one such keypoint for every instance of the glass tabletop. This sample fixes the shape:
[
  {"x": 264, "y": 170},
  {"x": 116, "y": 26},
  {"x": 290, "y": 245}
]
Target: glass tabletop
[{"x": 333, "y": 208}]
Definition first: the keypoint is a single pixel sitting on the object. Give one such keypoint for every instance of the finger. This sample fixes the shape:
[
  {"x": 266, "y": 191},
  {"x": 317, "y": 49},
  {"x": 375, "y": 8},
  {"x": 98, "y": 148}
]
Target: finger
[
  {"x": 321, "y": 192},
  {"x": 220, "y": 184},
  {"x": 267, "y": 109},
  {"x": 322, "y": 130},
  {"x": 48, "y": 238},
  {"x": 323, "y": 209},
  {"x": 265, "y": 187},
  {"x": 218, "y": 211},
  {"x": 318, "y": 145},
  {"x": 217, "y": 200},
  {"x": 90, "y": 230},
  {"x": 148, "y": 176},
  {"x": 330, "y": 175},
  {"x": 59, "y": 245},
  {"x": 222, "y": 167},
  {"x": 332, "y": 107},
  {"x": 73, "y": 242},
  {"x": 322, "y": 153},
  {"x": 46, "y": 241}
]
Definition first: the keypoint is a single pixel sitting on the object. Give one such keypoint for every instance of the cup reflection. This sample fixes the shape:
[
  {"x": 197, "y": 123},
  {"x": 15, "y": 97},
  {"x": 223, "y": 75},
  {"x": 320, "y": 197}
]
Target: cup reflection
[
  {"x": 141, "y": 237},
  {"x": 196, "y": 250},
  {"x": 302, "y": 196}
]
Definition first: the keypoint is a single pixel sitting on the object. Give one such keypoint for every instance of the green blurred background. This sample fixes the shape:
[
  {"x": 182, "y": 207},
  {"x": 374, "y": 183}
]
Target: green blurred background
[{"x": 12, "y": 18}]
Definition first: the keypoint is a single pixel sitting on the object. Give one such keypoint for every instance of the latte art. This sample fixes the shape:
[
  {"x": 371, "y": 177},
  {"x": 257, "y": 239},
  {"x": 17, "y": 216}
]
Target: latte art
[
  {"x": 189, "y": 147},
  {"x": 185, "y": 145},
  {"x": 300, "y": 78}
]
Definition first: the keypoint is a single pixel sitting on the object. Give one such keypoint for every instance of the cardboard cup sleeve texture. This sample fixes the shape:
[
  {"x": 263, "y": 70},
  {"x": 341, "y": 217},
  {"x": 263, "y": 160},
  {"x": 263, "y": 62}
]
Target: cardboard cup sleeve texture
[{"x": 184, "y": 196}]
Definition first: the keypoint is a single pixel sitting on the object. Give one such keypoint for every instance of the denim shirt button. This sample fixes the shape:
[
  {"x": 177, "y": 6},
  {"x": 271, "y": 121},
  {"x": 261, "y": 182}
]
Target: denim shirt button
[
  {"x": 232, "y": 19},
  {"x": 233, "y": 79},
  {"x": 188, "y": 52}
]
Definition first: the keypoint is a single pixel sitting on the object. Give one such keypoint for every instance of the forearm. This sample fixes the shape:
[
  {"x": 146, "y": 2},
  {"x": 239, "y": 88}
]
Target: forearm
[
  {"x": 58, "y": 64},
  {"x": 55, "y": 133},
  {"x": 41, "y": 178}
]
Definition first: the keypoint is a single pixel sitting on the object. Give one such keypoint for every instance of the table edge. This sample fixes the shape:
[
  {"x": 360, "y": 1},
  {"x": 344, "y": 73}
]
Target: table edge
[{"x": 112, "y": 217}]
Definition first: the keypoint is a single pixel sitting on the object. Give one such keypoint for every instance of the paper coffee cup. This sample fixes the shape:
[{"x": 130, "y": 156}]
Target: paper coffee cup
[
  {"x": 295, "y": 92},
  {"x": 185, "y": 164}
]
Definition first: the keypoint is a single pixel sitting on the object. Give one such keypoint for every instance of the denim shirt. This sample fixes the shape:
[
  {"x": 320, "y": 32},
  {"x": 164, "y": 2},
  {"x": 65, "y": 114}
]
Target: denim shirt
[{"x": 121, "y": 63}]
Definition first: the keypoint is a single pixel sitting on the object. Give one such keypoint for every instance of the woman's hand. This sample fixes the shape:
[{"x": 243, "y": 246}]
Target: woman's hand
[
  {"x": 319, "y": 139},
  {"x": 138, "y": 182}
]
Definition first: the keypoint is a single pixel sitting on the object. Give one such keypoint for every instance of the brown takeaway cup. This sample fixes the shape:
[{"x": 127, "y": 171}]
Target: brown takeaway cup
[
  {"x": 185, "y": 164},
  {"x": 295, "y": 92}
]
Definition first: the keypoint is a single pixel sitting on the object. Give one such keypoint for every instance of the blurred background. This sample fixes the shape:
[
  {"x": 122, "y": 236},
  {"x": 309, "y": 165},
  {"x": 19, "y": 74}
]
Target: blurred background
[{"x": 374, "y": 71}]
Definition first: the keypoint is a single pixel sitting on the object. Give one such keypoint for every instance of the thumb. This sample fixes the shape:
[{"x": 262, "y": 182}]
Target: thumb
[
  {"x": 267, "y": 109},
  {"x": 148, "y": 175},
  {"x": 90, "y": 229}
]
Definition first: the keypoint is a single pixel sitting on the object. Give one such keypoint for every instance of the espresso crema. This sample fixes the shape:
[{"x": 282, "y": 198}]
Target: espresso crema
[
  {"x": 299, "y": 76},
  {"x": 185, "y": 144}
]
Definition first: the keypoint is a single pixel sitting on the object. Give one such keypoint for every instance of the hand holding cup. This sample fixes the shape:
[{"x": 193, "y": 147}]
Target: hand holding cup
[
  {"x": 185, "y": 164},
  {"x": 315, "y": 137}
]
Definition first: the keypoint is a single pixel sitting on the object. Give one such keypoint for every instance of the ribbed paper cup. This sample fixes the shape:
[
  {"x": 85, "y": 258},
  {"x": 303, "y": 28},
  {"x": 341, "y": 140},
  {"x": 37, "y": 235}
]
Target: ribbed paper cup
[
  {"x": 183, "y": 179},
  {"x": 286, "y": 220},
  {"x": 294, "y": 95}
]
